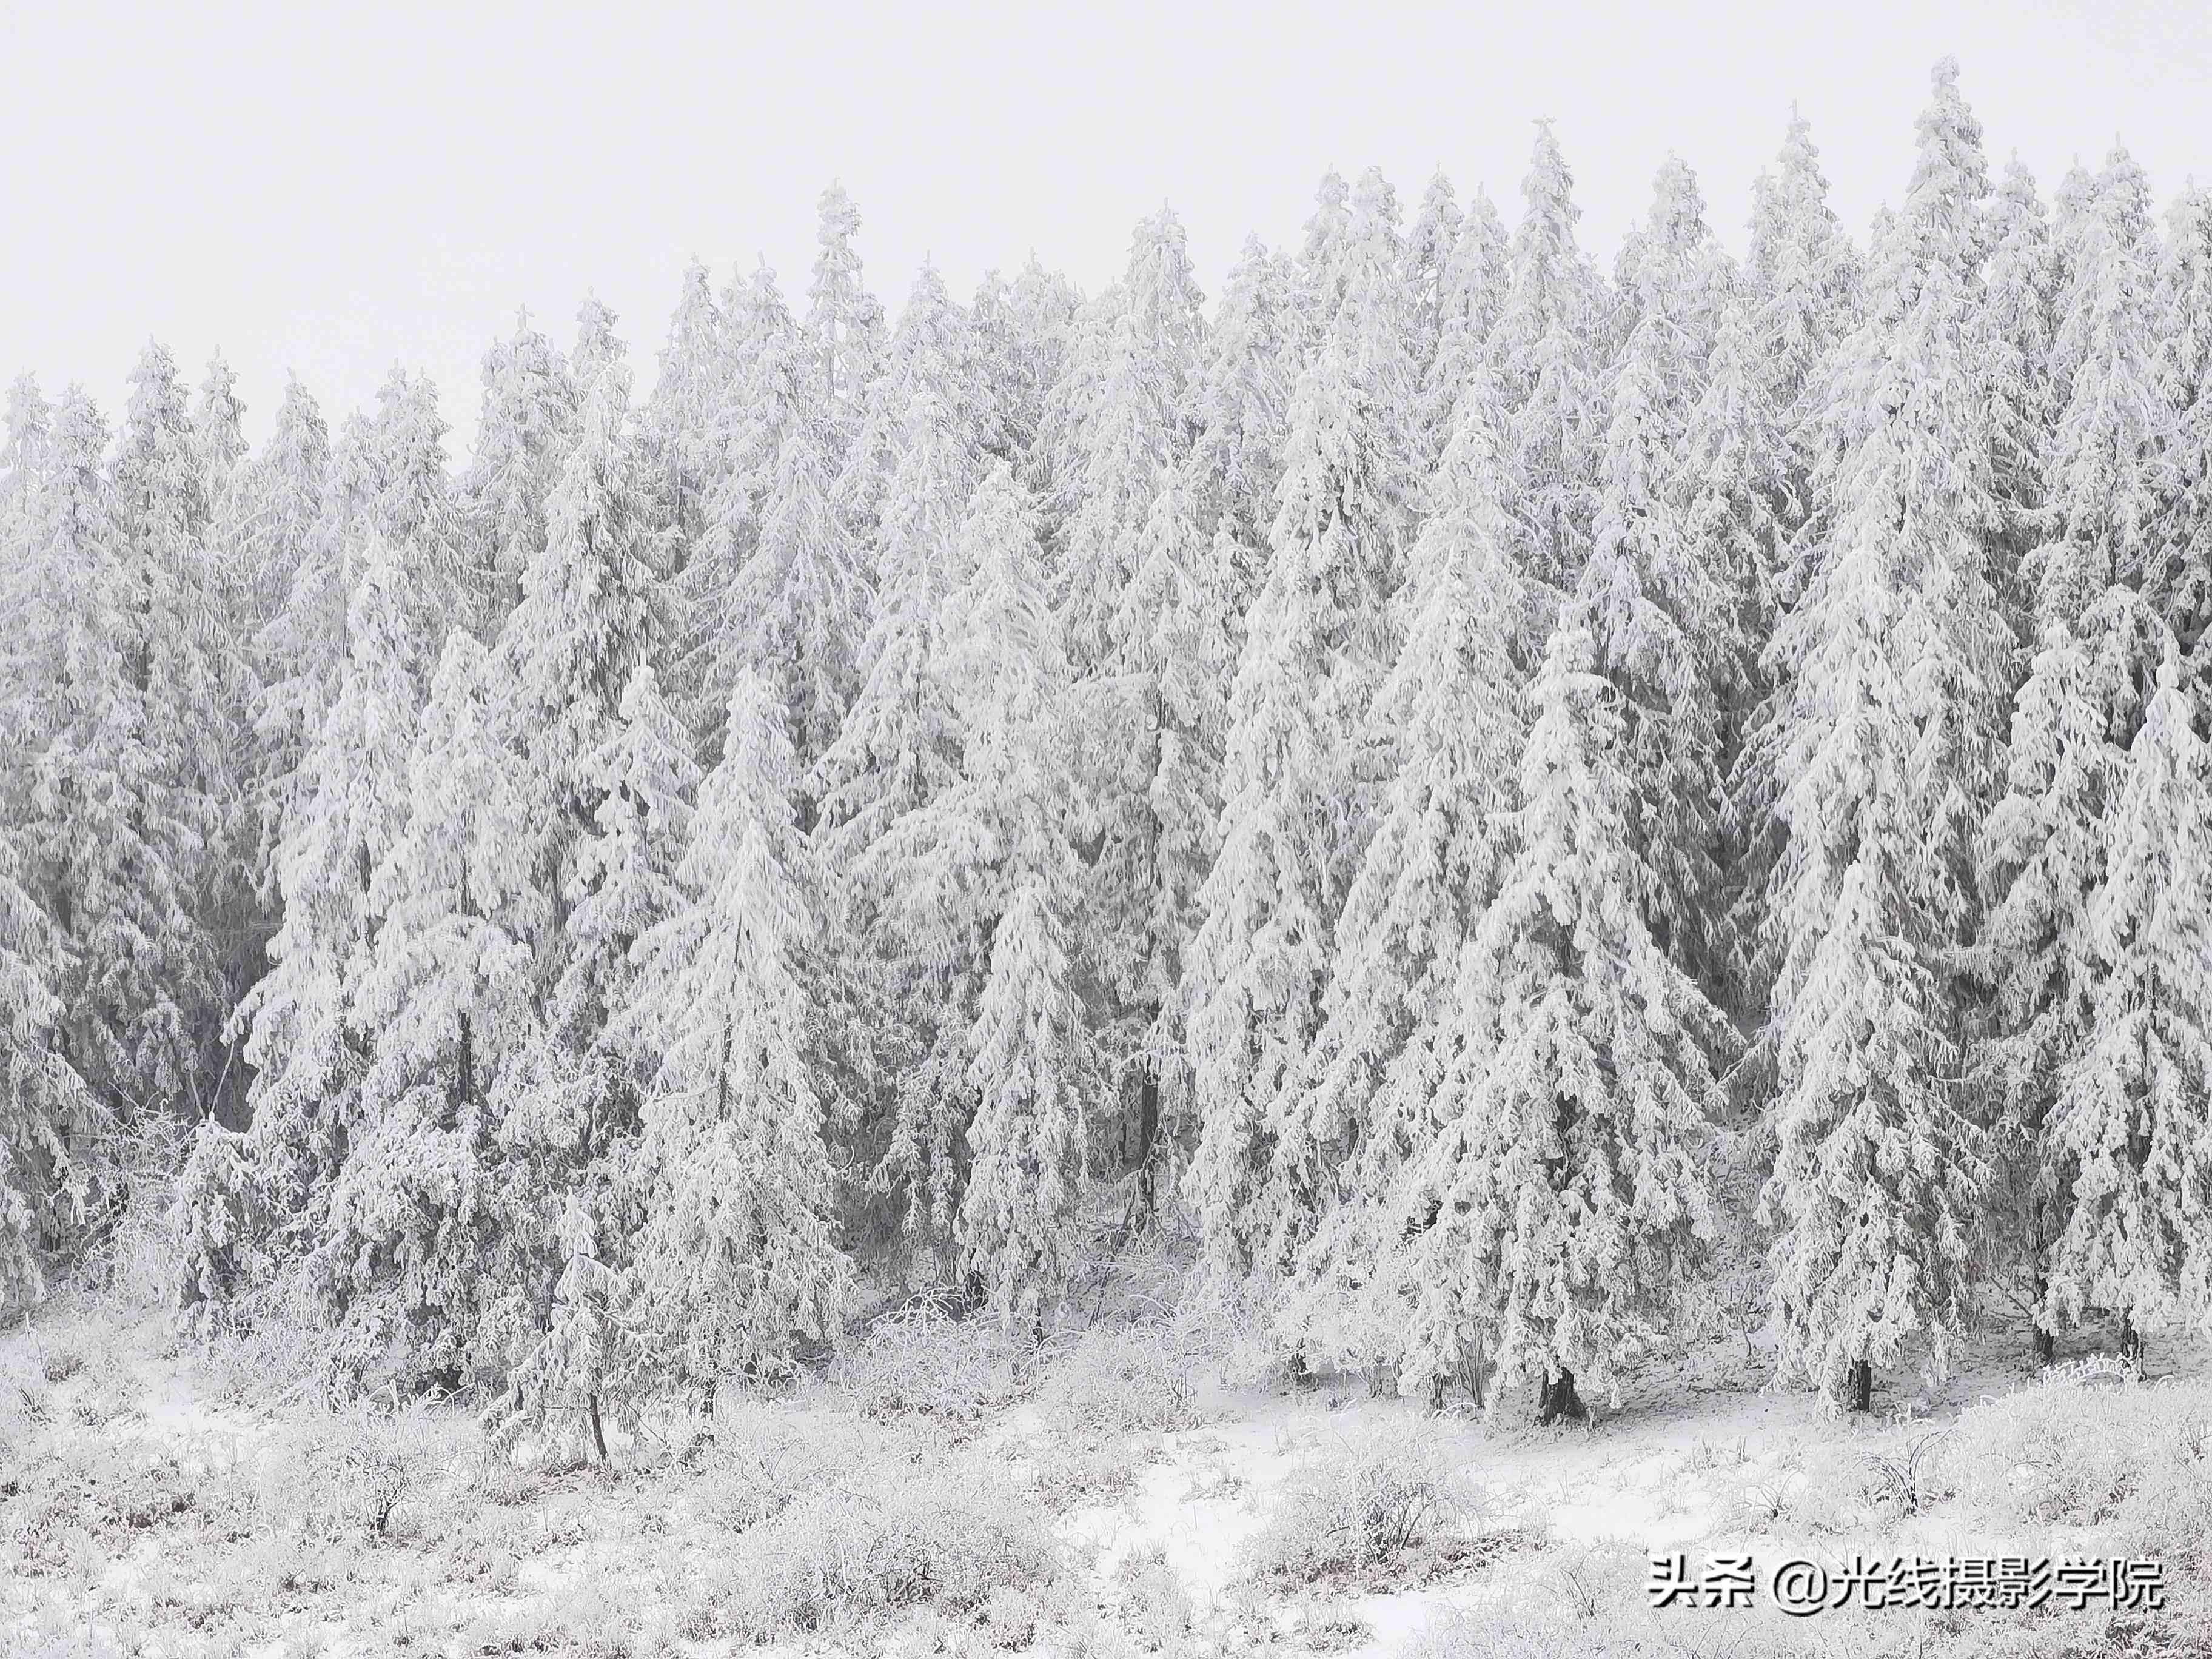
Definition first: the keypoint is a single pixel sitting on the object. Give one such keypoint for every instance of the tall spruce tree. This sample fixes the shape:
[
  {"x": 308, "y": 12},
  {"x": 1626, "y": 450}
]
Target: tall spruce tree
[
  {"x": 739, "y": 1260},
  {"x": 1569, "y": 1200},
  {"x": 1890, "y": 750}
]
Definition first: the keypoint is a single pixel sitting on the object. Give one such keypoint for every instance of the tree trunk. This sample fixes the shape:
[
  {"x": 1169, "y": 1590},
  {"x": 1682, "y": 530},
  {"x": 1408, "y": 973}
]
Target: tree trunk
[
  {"x": 1148, "y": 1135},
  {"x": 1861, "y": 1385},
  {"x": 599, "y": 1435},
  {"x": 1471, "y": 1365},
  {"x": 2046, "y": 1345},
  {"x": 1559, "y": 1399}
]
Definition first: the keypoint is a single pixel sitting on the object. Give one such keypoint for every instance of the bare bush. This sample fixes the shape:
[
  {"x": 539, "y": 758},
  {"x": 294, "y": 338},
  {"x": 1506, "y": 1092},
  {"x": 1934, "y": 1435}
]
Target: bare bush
[
  {"x": 1127, "y": 1379},
  {"x": 921, "y": 1360},
  {"x": 1358, "y": 1499},
  {"x": 902, "y": 1530}
]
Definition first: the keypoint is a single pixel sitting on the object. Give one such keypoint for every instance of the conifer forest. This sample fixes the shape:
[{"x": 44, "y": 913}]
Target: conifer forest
[{"x": 1502, "y": 801}]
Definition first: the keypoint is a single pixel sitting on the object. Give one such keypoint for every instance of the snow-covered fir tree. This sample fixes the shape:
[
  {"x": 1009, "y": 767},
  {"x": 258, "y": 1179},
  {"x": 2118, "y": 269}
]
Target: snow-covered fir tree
[
  {"x": 738, "y": 1260},
  {"x": 2131, "y": 1108},
  {"x": 844, "y": 320},
  {"x": 1568, "y": 1199},
  {"x": 1895, "y": 678},
  {"x": 523, "y": 434},
  {"x": 1369, "y": 1084}
]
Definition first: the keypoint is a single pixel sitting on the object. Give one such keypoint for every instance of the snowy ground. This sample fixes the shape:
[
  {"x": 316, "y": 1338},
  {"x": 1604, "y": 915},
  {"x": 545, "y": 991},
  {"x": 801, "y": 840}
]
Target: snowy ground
[{"x": 151, "y": 1503}]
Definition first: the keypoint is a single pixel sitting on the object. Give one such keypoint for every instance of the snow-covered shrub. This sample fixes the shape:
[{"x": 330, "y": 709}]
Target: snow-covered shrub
[
  {"x": 131, "y": 1260},
  {"x": 350, "y": 1473},
  {"x": 269, "y": 1345},
  {"x": 898, "y": 1531},
  {"x": 1225, "y": 1328},
  {"x": 1125, "y": 1380},
  {"x": 2088, "y": 1444},
  {"x": 921, "y": 1360},
  {"x": 1154, "y": 1599},
  {"x": 1358, "y": 1499},
  {"x": 758, "y": 1457},
  {"x": 23, "y": 1396}
]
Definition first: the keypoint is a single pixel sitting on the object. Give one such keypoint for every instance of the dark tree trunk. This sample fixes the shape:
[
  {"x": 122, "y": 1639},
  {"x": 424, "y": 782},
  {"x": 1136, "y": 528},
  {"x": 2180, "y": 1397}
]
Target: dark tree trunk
[
  {"x": 2046, "y": 1345},
  {"x": 465, "y": 1068},
  {"x": 1559, "y": 1399},
  {"x": 1861, "y": 1385},
  {"x": 599, "y": 1435},
  {"x": 1148, "y": 1135},
  {"x": 1471, "y": 1367}
]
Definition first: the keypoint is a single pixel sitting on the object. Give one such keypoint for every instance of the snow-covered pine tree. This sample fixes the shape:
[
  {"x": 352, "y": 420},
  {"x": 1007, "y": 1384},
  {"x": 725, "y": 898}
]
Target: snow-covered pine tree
[
  {"x": 1137, "y": 427},
  {"x": 2021, "y": 299},
  {"x": 895, "y": 748},
  {"x": 233, "y": 905},
  {"x": 594, "y": 612},
  {"x": 1670, "y": 263},
  {"x": 844, "y": 321},
  {"x": 413, "y": 1253},
  {"x": 597, "y": 346},
  {"x": 898, "y": 749},
  {"x": 1804, "y": 279},
  {"x": 2131, "y": 1110},
  {"x": 1890, "y": 749},
  {"x": 1316, "y": 259},
  {"x": 47, "y": 1114},
  {"x": 219, "y": 442},
  {"x": 1170, "y": 660},
  {"x": 1370, "y": 1078},
  {"x": 2110, "y": 469},
  {"x": 930, "y": 356},
  {"x": 28, "y": 426},
  {"x": 1242, "y": 412},
  {"x": 1471, "y": 294},
  {"x": 678, "y": 419},
  {"x": 132, "y": 787},
  {"x": 1040, "y": 319},
  {"x": 738, "y": 1260},
  {"x": 48, "y": 535},
  {"x": 1133, "y": 448},
  {"x": 769, "y": 367},
  {"x": 301, "y": 650},
  {"x": 306, "y": 1040},
  {"x": 1542, "y": 353},
  {"x": 412, "y": 505},
  {"x": 1058, "y": 457},
  {"x": 772, "y": 402},
  {"x": 1569, "y": 1198},
  {"x": 1662, "y": 619},
  {"x": 2178, "y": 581},
  {"x": 578, "y": 1109},
  {"x": 1317, "y": 646},
  {"x": 1031, "y": 1060},
  {"x": 1431, "y": 245},
  {"x": 798, "y": 611},
  {"x": 1735, "y": 463},
  {"x": 2104, "y": 465},
  {"x": 528, "y": 421},
  {"x": 1802, "y": 286},
  {"x": 1376, "y": 330},
  {"x": 2043, "y": 853},
  {"x": 281, "y": 494}
]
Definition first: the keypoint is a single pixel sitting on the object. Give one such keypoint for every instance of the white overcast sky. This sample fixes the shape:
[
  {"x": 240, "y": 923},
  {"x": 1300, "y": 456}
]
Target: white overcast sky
[{"x": 331, "y": 188}]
